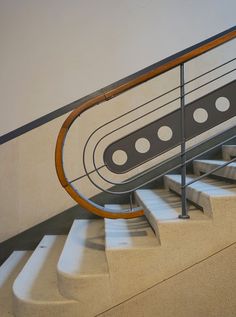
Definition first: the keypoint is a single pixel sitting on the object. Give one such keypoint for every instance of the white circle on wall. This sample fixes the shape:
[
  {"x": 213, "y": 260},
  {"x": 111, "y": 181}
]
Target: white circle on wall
[
  {"x": 119, "y": 157},
  {"x": 200, "y": 115},
  {"x": 222, "y": 104},
  {"x": 142, "y": 145},
  {"x": 165, "y": 133}
]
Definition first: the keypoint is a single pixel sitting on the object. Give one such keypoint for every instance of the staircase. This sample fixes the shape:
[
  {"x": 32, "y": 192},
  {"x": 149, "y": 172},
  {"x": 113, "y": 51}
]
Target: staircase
[
  {"x": 172, "y": 250},
  {"x": 145, "y": 266}
]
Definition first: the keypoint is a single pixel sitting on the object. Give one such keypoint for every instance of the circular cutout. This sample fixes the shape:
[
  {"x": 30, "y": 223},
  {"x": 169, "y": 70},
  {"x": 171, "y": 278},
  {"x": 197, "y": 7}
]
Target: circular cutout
[
  {"x": 165, "y": 133},
  {"x": 142, "y": 145},
  {"x": 200, "y": 115},
  {"x": 222, "y": 104},
  {"x": 119, "y": 157}
]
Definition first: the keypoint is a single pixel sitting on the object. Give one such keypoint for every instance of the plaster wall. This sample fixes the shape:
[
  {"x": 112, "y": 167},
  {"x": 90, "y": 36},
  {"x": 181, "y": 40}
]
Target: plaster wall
[
  {"x": 55, "y": 52},
  {"x": 49, "y": 57}
]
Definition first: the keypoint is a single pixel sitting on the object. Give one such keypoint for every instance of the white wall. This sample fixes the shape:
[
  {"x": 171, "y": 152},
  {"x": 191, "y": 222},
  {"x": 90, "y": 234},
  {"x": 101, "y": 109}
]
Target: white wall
[{"x": 56, "y": 51}]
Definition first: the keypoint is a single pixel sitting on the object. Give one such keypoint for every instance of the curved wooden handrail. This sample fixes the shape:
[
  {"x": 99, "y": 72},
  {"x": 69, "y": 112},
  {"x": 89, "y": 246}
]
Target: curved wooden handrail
[
  {"x": 110, "y": 93},
  {"x": 89, "y": 205}
]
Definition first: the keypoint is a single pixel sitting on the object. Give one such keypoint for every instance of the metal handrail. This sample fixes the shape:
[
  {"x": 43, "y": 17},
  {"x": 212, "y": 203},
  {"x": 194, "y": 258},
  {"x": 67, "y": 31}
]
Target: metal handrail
[
  {"x": 114, "y": 91},
  {"x": 96, "y": 169},
  {"x": 147, "y": 113},
  {"x": 95, "y": 147}
]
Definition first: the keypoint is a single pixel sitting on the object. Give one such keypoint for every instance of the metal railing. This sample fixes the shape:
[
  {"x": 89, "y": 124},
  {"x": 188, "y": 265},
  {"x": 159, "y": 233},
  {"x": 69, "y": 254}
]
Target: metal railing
[
  {"x": 182, "y": 126},
  {"x": 182, "y": 134}
]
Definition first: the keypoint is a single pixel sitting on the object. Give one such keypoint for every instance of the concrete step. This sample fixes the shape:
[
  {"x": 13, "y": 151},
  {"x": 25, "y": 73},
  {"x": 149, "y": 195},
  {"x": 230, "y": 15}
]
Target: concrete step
[
  {"x": 82, "y": 268},
  {"x": 228, "y": 151},
  {"x": 35, "y": 291},
  {"x": 128, "y": 235},
  {"x": 162, "y": 209},
  {"x": 217, "y": 198},
  {"x": 205, "y": 289},
  {"x": 119, "y": 207},
  {"x": 137, "y": 260},
  {"x": 131, "y": 249},
  {"x": 204, "y": 166},
  {"x": 8, "y": 272}
]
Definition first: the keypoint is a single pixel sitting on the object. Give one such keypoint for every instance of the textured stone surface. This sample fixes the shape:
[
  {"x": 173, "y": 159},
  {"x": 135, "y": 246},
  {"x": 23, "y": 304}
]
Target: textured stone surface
[
  {"x": 228, "y": 151},
  {"x": 8, "y": 272},
  {"x": 206, "y": 289},
  {"x": 82, "y": 269},
  {"x": 131, "y": 252},
  {"x": 107, "y": 262},
  {"x": 35, "y": 289},
  {"x": 163, "y": 206},
  {"x": 207, "y": 193},
  {"x": 204, "y": 166}
]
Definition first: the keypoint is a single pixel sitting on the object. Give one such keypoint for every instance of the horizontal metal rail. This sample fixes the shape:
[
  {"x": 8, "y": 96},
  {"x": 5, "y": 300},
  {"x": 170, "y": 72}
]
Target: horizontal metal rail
[{"x": 210, "y": 71}]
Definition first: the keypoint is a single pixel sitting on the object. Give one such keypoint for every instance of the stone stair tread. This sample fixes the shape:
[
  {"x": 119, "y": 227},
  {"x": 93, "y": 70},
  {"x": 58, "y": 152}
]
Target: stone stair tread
[
  {"x": 228, "y": 171},
  {"x": 161, "y": 202},
  {"x": 84, "y": 250},
  {"x": 228, "y": 151},
  {"x": 215, "y": 162},
  {"x": 37, "y": 282},
  {"x": 164, "y": 205},
  {"x": 218, "y": 162},
  {"x": 129, "y": 234},
  {"x": 207, "y": 186},
  {"x": 8, "y": 272}
]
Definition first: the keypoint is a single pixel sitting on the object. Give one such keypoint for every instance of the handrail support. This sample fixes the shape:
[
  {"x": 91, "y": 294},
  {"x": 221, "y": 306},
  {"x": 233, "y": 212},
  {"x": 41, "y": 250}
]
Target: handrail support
[{"x": 184, "y": 214}]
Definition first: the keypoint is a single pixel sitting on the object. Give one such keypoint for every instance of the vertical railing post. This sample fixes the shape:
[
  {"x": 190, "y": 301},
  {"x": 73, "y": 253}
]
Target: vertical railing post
[
  {"x": 131, "y": 201},
  {"x": 184, "y": 214}
]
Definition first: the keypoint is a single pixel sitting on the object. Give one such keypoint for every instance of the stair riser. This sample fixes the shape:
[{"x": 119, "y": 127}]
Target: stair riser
[
  {"x": 8, "y": 272},
  {"x": 224, "y": 210},
  {"x": 83, "y": 290},
  {"x": 87, "y": 272},
  {"x": 132, "y": 271},
  {"x": 149, "y": 217},
  {"x": 39, "y": 310},
  {"x": 35, "y": 291}
]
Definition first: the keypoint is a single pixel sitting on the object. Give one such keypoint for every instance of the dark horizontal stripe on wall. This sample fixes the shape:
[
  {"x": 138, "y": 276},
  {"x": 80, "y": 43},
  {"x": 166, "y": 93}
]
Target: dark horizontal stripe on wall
[
  {"x": 44, "y": 119},
  {"x": 63, "y": 110}
]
